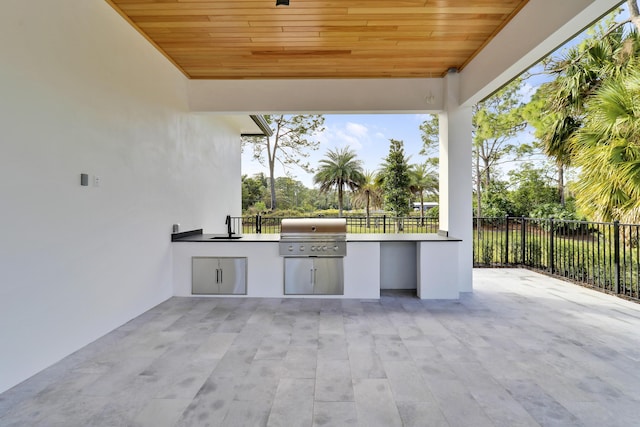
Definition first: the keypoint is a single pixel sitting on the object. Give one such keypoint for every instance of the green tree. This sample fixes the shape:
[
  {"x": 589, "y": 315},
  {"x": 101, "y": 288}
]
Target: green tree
[
  {"x": 339, "y": 169},
  {"x": 368, "y": 194},
  {"x": 288, "y": 146},
  {"x": 496, "y": 121},
  {"x": 531, "y": 189},
  {"x": 423, "y": 180},
  {"x": 496, "y": 201},
  {"x": 396, "y": 181},
  {"x": 253, "y": 189},
  {"x": 553, "y": 131},
  {"x": 561, "y": 104},
  {"x": 290, "y": 193},
  {"x": 430, "y": 134},
  {"x": 608, "y": 152}
]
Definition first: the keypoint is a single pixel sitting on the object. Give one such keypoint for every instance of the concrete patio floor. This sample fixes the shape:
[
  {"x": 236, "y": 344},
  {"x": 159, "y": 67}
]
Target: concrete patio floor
[{"x": 522, "y": 350}]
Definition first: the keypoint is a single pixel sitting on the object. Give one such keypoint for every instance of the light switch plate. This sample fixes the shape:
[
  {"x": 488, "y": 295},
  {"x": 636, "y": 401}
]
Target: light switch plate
[{"x": 97, "y": 181}]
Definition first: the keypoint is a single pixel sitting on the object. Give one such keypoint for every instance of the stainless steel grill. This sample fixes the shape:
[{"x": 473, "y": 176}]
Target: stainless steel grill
[
  {"x": 313, "y": 237},
  {"x": 313, "y": 250}
]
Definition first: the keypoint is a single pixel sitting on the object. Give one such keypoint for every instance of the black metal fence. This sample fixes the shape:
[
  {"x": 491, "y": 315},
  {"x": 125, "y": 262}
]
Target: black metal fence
[
  {"x": 601, "y": 255},
  {"x": 355, "y": 224},
  {"x": 604, "y": 256}
]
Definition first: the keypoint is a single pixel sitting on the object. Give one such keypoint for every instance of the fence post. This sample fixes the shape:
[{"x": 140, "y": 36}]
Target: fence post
[
  {"x": 384, "y": 223},
  {"x": 523, "y": 240},
  {"x": 257, "y": 223},
  {"x": 616, "y": 255},
  {"x": 506, "y": 240},
  {"x": 551, "y": 233}
]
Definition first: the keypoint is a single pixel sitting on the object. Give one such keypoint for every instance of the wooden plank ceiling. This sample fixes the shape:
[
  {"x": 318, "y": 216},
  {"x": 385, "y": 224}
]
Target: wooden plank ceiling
[{"x": 254, "y": 39}]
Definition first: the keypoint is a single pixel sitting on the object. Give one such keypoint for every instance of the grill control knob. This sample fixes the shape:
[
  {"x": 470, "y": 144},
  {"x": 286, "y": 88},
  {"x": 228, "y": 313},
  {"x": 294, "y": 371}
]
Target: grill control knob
[
  {"x": 324, "y": 248},
  {"x": 290, "y": 248},
  {"x": 335, "y": 248},
  {"x": 301, "y": 248}
]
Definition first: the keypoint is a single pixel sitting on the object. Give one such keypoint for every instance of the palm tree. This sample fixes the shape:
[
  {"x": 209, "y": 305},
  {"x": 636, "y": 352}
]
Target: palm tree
[
  {"x": 580, "y": 72},
  {"x": 369, "y": 194},
  {"x": 339, "y": 169},
  {"x": 423, "y": 179},
  {"x": 554, "y": 130},
  {"x": 608, "y": 152}
]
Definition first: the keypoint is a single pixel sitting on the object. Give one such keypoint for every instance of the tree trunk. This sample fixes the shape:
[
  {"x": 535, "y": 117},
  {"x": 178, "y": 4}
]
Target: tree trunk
[
  {"x": 487, "y": 173},
  {"x": 272, "y": 184},
  {"x": 478, "y": 189},
  {"x": 478, "y": 197},
  {"x": 271, "y": 156},
  {"x": 561, "y": 184},
  {"x": 634, "y": 11},
  {"x": 368, "y": 215},
  {"x": 340, "y": 200}
]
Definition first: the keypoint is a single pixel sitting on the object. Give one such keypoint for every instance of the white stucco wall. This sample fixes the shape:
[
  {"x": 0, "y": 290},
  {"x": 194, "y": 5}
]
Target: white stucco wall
[{"x": 81, "y": 91}]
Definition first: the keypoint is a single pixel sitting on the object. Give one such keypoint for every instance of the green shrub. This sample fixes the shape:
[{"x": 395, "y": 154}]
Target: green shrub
[
  {"x": 533, "y": 253},
  {"x": 515, "y": 252},
  {"x": 487, "y": 252},
  {"x": 433, "y": 212}
]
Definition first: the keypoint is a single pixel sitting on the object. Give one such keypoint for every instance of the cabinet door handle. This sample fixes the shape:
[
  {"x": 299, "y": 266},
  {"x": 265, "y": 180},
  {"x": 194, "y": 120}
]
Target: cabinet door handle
[
  {"x": 221, "y": 279},
  {"x": 315, "y": 279},
  {"x": 311, "y": 276},
  {"x": 217, "y": 275}
]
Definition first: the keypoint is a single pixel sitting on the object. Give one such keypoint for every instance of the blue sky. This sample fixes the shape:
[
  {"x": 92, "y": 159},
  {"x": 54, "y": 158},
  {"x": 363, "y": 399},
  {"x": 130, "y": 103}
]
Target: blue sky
[{"x": 368, "y": 135}]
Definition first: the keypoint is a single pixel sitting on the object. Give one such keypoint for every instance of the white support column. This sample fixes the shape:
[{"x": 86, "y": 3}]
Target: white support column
[{"x": 455, "y": 177}]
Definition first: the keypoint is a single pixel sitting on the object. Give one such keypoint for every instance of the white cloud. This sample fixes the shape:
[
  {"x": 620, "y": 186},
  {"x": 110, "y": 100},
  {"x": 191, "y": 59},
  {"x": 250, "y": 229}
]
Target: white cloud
[
  {"x": 323, "y": 137},
  {"x": 357, "y": 129},
  {"x": 346, "y": 140},
  {"x": 352, "y": 135}
]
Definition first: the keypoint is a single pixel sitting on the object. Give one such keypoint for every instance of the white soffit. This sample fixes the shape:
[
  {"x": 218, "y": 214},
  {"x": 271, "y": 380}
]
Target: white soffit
[
  {"x": 242, "y": 123},
  {"x": 412, "y": 95},
  {"x": 539, "y": 28}
]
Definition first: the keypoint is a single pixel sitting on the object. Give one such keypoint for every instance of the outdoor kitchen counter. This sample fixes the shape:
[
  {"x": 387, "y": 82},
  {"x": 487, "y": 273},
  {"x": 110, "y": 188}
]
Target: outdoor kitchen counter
[
  {"x": 351, "y": 237},
  {"x": 399, "y": 237},
  {"x": 220, "y": 238},
  {"x": 373, "y": 262}
]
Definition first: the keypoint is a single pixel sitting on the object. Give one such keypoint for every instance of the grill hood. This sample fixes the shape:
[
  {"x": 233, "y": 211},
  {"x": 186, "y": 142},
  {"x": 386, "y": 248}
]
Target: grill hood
[{"x": 314, "y": 226}]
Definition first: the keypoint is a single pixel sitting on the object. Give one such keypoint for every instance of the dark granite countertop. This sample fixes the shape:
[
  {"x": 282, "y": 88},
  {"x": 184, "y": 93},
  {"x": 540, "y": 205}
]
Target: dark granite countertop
[{"x": 199, "y": 236}]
